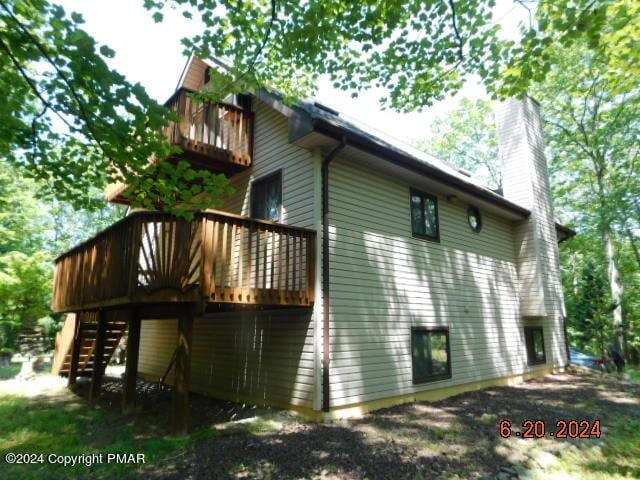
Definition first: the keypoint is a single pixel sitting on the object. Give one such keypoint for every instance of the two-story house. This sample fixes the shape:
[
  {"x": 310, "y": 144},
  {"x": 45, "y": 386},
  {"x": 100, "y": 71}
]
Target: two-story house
[{"x": 346, "y": 273}]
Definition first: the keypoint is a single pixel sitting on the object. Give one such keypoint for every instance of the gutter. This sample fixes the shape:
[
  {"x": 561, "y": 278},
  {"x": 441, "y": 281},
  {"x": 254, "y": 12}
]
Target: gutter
[
  {"x": 566, "y": 231},
  {"x": 325, "y": 271},
  {"x": 365, "y": 143}
]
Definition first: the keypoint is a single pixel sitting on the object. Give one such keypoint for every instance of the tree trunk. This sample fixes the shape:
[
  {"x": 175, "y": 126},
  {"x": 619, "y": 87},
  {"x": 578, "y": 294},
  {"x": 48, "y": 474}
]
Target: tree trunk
[
  {"x": 616, "y": 290},
  {"x": 634, "y": 247}
]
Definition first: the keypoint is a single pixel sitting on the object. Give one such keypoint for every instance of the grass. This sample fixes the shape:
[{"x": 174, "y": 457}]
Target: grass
[
  {"x": 617, "y": 458},
  {"x": 31, "y": 425},
  {"x": 10, "y": 370},
  {"x": 634, "y": 374},
  {"x": 448, "y": 439}
]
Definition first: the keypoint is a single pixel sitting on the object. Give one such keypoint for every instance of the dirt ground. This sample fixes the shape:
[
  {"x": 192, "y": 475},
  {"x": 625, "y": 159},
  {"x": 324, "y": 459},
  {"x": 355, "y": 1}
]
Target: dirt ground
[{"x": 453, "y": 438}]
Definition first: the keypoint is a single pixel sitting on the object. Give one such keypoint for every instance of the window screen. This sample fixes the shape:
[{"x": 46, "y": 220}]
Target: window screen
[
  {"x": 534, "y": 339},
  {"x": 430, "y": 354},
  {"x": 424, "y": 215},
  {"x": 266, "y": 198}
]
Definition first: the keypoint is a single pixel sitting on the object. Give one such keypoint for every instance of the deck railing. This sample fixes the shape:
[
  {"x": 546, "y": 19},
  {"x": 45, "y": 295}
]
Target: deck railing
[
  {"x": 217, "y": 257},
  {"x": 211, "y": 129}
]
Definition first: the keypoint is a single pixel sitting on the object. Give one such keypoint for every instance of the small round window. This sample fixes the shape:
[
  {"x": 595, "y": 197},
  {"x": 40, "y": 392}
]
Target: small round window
[{"x": 474, "y": 218}]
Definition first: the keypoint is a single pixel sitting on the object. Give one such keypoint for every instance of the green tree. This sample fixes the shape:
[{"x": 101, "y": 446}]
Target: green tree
[
  {"x": 25, "y": 292},
  {"x": 32, "y": 232},
  {"x": 419, "y": 51},
  {"x": 592, "y": 127},
  {"x": 69, "y": 226},
  {"x": 466, "y": 137},
  {"x": 21, "y": 215},
  {"x": 74, "y": 124},
  {"x": 587, "y": 295}
]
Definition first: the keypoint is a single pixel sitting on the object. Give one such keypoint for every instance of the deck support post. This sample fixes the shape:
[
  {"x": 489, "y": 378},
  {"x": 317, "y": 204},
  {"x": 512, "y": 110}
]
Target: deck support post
[
  {"x": 75, "y": 351},
  {"x": 183, "y": 372},
  {"x": 98, "y": 357},
  {"x": 131, "y": 369}
]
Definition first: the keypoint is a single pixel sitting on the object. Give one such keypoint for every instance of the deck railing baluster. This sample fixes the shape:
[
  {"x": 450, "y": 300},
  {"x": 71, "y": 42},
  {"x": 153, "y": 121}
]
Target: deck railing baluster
[
  {"x": 154, "y": 257},
  {"x": 206, "y": 126}
]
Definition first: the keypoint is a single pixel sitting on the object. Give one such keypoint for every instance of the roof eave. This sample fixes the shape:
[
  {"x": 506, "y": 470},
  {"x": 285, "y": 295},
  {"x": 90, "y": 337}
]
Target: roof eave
[{"x": 394, "y": 156}]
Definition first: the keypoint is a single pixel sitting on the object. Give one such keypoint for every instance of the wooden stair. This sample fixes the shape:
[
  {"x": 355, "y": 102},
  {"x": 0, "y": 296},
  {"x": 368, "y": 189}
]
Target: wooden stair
[{"x": 85, "y": 333}]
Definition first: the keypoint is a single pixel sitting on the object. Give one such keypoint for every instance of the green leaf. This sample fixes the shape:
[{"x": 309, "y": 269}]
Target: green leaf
[{"x": 107, "y": 52}]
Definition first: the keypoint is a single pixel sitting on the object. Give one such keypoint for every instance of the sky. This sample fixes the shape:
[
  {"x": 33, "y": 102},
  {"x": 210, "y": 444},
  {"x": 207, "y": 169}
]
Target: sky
[{"x": 150, "y": 53}]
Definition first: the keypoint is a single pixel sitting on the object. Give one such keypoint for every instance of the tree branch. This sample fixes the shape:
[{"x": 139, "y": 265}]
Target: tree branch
[
  {"x": 33, "y": 86},
  {"x": 455, "y": 30},
  {"x": 522, "y": 3},
  {"x": 587, "y": 95},
  {"x": 274, "y": 17},
  {"x": 572, "y": 137},
  {"x": 83, "y": 113},
  {"x": 34, "y": 129}
]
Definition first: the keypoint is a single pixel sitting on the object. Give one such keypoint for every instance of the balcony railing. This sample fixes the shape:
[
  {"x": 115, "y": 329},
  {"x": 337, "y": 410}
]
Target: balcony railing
[
  {"x": 217, "y": 137},
  {"x": 211, "y": 134},
  {"x": 151, "y": 257}
]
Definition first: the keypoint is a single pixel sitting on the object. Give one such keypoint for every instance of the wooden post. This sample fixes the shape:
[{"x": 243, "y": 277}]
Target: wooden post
[
  {"x": 182, "y": 373},
  {"x": 98, "y": 354},
  {"x": 75, "y": 351},
  {"x": 131, "y": 371}
]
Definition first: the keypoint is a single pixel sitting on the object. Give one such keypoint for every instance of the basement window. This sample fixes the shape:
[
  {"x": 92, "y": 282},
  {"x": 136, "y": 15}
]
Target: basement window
[
  {"x": 430, "y": 354},
  {"x": 266, "y": 198},
  {"x": 424, "y": 216},
  {"x": 534, "y": 340}
]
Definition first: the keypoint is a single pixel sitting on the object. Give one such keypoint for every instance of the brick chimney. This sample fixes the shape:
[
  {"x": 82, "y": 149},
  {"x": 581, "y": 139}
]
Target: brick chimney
[{"x": 526, "y": 182}]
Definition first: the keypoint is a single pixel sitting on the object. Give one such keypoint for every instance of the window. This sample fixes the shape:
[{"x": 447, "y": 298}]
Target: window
[
  {"x": 474, "y": 218},
  {"x": 266, "y": 198},
  {"x": 534, "y": 340},
  {"x": 430, "y": 354},
  {"x": 424, "y": 216}
]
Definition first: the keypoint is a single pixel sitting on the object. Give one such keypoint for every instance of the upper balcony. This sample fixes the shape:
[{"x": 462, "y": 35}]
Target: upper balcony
[
  {"x": 215, "y": 136},
  {"x": 217, "y": 259},
  {"x": 212, "y": 136}
]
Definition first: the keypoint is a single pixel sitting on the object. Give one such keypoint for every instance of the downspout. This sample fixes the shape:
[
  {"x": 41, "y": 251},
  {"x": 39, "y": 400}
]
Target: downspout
[{"x": 325, "y": 271}]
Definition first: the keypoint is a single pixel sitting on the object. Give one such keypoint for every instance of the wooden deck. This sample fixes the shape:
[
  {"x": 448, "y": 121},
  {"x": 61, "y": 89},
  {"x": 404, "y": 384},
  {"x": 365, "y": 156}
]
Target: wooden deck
[
  {"x": 212, "y": 136},
  {"x": 213, "y": 260}
]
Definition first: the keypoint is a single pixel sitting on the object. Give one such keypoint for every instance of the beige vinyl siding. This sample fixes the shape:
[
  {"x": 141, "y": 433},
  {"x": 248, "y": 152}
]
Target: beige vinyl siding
[
  {"x": 526, "y": 181},
  {"x": 383, "y": 281},
  {"x": 265, "y": 355},
  {"x": 158, "y": 340},
  {"x": 260, "y": 356},
  {"x": 273, "y": 152}
]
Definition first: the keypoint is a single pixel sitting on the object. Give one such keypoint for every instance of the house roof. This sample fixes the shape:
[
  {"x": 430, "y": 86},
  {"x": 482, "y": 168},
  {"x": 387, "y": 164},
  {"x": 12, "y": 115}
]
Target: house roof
[
  {"x": 329, "y": 121},
  {"x": 312, "y": 116},
  {"x": 333, "y": 124}
]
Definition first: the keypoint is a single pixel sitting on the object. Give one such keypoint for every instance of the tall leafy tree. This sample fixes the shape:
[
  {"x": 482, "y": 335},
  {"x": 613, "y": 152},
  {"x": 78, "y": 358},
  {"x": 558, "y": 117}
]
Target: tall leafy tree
[
  {"x": 466, "y": 137},
  {"x": 587, "y": 294},
  {"x": 32, "y": 232},
  {"x": 419, "y": 51},
  {"x": 21, "y": 215},
  {"x": 25, "y": 290},
  {"x": 593, "y": 126},
  {"x": 75, "y": 124}
]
